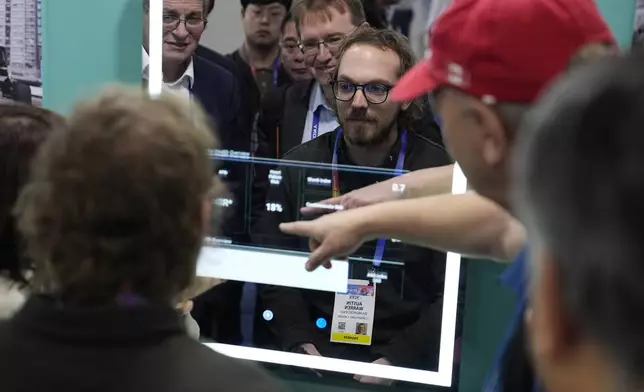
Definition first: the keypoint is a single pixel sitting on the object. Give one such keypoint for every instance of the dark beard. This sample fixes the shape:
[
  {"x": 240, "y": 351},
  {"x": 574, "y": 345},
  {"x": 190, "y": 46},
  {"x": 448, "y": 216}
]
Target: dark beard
[{"x": 356, "y": 134}]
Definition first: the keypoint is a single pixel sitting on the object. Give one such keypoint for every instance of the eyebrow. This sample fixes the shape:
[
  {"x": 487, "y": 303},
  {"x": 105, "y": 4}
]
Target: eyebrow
[
  {"x": 324, "y": 38},
  {"x": 375, "y": 81},
  {"x": 191, "y": 13},
  {"x": 274, "y": 7}
]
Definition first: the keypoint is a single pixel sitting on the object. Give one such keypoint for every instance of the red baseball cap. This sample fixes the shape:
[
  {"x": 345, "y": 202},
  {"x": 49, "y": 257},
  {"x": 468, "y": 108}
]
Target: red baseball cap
[{"x": 506, "y": 50}]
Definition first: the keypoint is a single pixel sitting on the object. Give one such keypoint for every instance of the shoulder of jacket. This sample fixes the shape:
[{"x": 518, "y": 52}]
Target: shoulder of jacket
[
  {"x": 424, "y": 140},
  {"x": 302, "y": 152}
]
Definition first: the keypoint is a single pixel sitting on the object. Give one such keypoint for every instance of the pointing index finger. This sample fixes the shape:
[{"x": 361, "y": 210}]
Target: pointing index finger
[{"x": 300, "y": 228}]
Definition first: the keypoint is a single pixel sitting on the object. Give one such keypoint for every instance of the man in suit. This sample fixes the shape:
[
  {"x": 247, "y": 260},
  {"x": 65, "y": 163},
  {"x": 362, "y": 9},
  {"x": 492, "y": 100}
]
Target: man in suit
[
  {"x": 216, "y": 90},
  {"x": 258, "y": 59}
]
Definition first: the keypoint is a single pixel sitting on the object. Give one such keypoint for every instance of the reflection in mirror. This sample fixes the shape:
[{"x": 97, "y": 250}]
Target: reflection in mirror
[{"x": 387, "y": 314}]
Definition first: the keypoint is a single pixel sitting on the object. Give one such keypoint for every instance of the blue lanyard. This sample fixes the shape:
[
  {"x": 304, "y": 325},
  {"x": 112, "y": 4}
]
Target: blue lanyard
[
  {"x": 380, "y": 245},
  {"x": 315, "y": 123},
  {"x": 276, "y": 71}
]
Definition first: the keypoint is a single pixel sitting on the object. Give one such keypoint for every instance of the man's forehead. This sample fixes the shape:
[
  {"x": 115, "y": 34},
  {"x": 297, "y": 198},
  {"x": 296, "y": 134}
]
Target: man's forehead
[
  {"x": 317, "y": 24},
  {"x": 367, "y": 63},
  {"x": 184, "y": 5},
  {"x": 276, "y": 6}
]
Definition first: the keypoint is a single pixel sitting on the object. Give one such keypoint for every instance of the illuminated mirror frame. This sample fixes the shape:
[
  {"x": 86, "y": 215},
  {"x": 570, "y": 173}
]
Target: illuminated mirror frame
[{"x": 327, "y": 281}]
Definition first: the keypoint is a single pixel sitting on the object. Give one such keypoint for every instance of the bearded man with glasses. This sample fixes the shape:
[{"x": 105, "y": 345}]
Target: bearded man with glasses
[
  {"x": 216, "y": 90},
  {"x": 375, "y": 137}
]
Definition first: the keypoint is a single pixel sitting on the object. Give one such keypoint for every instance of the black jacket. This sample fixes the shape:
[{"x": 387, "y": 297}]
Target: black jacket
[
  {"x": 406, "y": 331},
  {"x": 217, "y": 58},
  {"x": 218, "y": 91},
  {"x": 47, "y": 347},
  {"x": 249, "y": 85}
]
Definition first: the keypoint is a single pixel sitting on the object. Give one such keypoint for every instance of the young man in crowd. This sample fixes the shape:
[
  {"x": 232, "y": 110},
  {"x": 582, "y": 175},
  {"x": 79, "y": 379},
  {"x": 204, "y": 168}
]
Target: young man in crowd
[
  {"x": 114, "y": 217},
  {"x": 579, "y": 192},
  {"x": 481, "y": 108},
  {"x": 374, "y": 132},
  {"x": 258, "y": 59},
  {"x": 290, "y": 54}
]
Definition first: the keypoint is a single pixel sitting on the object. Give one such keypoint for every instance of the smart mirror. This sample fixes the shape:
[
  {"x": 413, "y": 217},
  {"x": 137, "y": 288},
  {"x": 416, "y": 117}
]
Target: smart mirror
[{"x": 269, "y": 270}]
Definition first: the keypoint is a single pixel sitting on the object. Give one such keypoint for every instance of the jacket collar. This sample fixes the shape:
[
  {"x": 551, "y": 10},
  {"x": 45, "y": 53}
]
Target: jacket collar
[
  {"x": 187, "y": 79},
  {"x": 46, "y": 317}
]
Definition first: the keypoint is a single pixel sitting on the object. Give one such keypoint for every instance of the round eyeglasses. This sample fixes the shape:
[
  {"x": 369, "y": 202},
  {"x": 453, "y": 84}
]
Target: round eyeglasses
[
  {"x": 312, "y": 47},
  {"x": 192, "y": 22},
  {"x": 375, "y": 93}
]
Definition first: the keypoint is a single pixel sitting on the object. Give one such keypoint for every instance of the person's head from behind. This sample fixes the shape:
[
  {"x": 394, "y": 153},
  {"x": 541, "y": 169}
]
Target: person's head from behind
[
  {"x": 22, "y": 131},
  {"x": 291, "y": 56},
  {"x": 322, "y": 26},
  {"x": 119, "y": 203},
  {"x": 184, "y": 21},
  {"x": 483, "y": 79},
  {"x": 580, "y": 164},
  {"x": 370, "y": 62},
  {"x": 262, "y": 21}
]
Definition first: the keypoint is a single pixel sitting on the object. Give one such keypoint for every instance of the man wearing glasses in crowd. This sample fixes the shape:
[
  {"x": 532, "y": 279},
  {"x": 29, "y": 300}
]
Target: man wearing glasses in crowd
[
  {"x": 303, "y": 111},
  {"x": 216, "y": 90}
]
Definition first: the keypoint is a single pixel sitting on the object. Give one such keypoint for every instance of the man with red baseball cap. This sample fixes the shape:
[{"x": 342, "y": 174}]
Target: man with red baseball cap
[{"x": 489, "y": 62}]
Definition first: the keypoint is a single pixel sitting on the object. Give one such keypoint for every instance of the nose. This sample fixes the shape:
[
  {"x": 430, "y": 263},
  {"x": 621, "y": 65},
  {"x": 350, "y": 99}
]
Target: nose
[
  {"x": 324, "y": 55},
  {"x": 359, "y": 100},
  {"x": 181, "y": 31}
]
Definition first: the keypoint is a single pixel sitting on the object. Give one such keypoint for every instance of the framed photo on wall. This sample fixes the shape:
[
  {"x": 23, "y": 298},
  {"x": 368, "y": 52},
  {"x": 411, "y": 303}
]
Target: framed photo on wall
[{"x": 21, "y": 51}]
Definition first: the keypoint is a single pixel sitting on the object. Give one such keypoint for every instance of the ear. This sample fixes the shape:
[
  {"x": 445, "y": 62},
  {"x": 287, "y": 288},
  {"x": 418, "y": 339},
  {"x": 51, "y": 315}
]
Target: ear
[
  {"x": 552, "y": 334},
  {"x": 243, "y": 11},
  {"x": 364, "y": 24},
  {"x": 495, "y": 146}
]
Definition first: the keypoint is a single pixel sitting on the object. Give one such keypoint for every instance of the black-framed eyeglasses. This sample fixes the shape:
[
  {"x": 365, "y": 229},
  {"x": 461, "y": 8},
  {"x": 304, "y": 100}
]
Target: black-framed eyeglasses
[
  {"x": 312, "y": 47},
  {"x": 290, "y": 45},
  {"x": 375, "y": 93},
  {"x": 171, "y": 20}
]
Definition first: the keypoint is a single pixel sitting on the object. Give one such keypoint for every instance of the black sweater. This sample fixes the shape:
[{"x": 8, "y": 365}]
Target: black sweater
[
  {"x": 408, "y": 304},
  {"x": 48, "y": 347}
]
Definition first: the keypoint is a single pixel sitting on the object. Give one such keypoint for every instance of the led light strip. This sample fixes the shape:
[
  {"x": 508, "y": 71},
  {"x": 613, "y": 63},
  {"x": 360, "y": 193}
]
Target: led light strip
[
  {"x": 240, "y": 263},
  {"x": 450, "y": 298},
  {"x": 155, "y": 48}
]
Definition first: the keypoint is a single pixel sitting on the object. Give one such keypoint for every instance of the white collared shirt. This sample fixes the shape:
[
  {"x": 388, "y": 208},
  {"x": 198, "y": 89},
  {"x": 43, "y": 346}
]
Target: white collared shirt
[
  {"x": 181, "y": 86},
  {"x": 328, "y": 120}
]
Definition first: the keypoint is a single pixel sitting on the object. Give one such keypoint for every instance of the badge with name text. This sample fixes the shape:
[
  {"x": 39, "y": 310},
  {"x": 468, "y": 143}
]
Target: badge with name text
[{"x": 353, "y": 314}]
